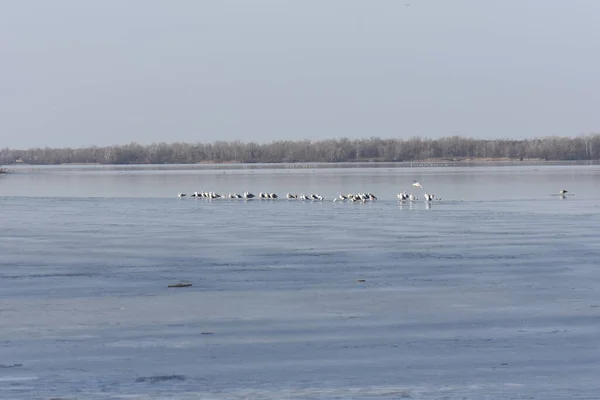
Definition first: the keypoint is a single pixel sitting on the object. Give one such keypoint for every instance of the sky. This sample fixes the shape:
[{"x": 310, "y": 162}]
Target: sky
[{"x": 78, "y": 73}]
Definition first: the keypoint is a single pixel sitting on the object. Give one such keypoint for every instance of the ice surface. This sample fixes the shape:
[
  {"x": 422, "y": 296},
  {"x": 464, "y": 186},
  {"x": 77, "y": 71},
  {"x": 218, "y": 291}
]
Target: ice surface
[{"x": 487, "y": 297}]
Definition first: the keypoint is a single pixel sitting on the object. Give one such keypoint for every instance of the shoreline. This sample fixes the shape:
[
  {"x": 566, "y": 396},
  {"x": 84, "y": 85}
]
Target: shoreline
[
  {"x": 461, "y": 160},
  {"x": 322, "y": 164}
]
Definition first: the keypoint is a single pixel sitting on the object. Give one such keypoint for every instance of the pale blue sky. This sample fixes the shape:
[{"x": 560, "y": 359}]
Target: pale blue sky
[{"x": 76, "y": 73}]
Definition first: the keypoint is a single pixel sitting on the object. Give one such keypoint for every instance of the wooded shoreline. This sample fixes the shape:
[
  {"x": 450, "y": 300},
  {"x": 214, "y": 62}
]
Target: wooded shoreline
[{"x": 450, "y": 149}]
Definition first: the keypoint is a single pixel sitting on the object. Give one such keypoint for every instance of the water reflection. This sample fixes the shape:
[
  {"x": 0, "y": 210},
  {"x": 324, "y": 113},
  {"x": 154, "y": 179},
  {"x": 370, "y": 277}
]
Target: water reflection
[{"x": 414, "y": 205}]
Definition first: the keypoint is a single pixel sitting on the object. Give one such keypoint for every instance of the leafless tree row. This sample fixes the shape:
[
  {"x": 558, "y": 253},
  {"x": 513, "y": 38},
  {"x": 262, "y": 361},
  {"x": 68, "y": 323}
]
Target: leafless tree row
[{"x": 332, "y": 150}]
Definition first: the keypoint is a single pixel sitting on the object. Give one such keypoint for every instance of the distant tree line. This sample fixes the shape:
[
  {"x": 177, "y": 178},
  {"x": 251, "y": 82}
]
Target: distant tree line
[{"x": 331, "y": 150}]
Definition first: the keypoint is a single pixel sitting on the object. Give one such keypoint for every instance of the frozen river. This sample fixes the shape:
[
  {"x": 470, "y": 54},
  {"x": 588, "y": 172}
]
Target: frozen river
[{"x": 492, "y": 293}]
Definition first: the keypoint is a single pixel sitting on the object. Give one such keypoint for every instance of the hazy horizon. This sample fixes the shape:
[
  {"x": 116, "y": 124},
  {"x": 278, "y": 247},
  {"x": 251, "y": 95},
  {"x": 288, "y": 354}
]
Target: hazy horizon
[
  {"x": 76, "y": 74},
  {"x": 315, "y": 140}
]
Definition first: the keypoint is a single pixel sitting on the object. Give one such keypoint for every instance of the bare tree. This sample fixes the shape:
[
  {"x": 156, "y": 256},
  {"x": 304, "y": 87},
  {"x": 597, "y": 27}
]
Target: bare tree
[{"x": 328, "y": 150}]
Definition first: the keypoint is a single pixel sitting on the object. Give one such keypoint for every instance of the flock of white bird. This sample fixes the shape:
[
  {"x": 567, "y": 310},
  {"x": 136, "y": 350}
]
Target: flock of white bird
[
  {"x": 410, "y": 197},
  {"x": 350, "y": 197}
]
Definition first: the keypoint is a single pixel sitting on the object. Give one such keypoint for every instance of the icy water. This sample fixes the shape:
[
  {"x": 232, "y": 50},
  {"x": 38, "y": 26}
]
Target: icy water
[{"x": 492, "y": 293}]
